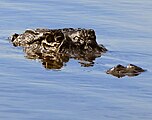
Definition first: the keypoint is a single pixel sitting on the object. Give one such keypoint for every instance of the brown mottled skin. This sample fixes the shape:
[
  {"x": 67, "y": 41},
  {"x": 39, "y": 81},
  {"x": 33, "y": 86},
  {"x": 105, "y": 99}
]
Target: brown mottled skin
[
  {"x": 55, "y": 46},
  {"x": 121, "y": 71}
]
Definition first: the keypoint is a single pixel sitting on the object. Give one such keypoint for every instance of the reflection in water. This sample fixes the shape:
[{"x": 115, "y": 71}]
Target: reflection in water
[
  {"x": 58, "y": 60},
  {"x": 51, "y": 61},
  {"x": 54, "y": 62}
]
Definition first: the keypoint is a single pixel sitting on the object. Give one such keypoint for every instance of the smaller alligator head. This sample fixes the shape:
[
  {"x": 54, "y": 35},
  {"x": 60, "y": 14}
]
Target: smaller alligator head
[{"x": 129, "y": 70}]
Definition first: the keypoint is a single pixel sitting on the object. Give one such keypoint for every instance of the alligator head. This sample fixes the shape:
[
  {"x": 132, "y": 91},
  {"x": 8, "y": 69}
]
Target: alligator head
[
  {"x": 55, "y": 46},
  {"x": 121, "y": 71}
]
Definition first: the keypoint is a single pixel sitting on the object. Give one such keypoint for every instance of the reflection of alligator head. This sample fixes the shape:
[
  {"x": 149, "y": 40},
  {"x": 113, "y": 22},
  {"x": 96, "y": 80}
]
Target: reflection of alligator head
[
  {"x": 56, "y": 46},
  {"x": 121, "y": 71}
]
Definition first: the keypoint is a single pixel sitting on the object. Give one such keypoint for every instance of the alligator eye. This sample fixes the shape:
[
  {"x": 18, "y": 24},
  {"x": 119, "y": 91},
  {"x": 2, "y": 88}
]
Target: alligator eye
[
  {"x": 58, "y": 36},
  {"x": 50, "y": 38}
]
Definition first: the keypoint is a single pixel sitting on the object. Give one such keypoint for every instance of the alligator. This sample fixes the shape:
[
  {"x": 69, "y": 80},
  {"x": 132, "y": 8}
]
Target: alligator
[
  {"x": 54, "y": 47},
  {"x": 121, "y": 71}
]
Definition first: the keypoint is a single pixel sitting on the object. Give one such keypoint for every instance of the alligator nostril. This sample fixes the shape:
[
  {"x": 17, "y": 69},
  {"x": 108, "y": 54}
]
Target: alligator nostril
[
  {"x": 14, "y": 37},
  {"x": 50, "y": 38}
]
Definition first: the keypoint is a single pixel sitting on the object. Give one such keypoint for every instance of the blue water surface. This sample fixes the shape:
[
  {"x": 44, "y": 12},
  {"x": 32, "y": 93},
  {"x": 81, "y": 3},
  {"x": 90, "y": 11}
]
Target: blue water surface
[{"x": 28, "y": 91}]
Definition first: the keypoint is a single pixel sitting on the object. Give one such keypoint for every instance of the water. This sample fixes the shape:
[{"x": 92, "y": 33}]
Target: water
[{"x": 30, "y": 92}]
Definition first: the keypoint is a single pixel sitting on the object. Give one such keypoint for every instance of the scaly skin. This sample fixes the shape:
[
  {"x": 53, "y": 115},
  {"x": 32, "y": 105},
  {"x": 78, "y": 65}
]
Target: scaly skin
[{"x": 121, "y": 71}]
